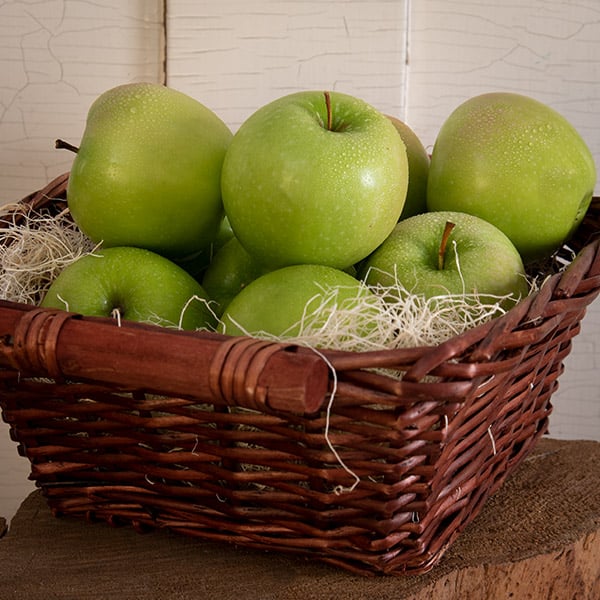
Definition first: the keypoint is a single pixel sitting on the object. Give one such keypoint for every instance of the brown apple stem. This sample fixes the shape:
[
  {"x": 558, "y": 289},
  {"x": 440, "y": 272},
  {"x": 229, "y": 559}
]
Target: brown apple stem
[
  {"x": 328, "y": 105},
  {"x": 62, "y": 145},
  {"x": 444, "y": 242}
]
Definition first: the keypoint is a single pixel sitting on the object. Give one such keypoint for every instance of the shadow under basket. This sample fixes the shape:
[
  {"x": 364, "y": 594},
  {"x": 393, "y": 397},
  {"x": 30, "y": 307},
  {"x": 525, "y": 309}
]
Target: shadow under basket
[{"x": 243, "y": 441}]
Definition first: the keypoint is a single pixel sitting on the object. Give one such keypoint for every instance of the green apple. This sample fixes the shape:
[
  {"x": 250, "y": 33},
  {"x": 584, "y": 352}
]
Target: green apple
[
  {"x": 468, "y": 256},
  {"x": 276, "y": 302},
  {"x": 224, "y": 234},
  {"x": 231, "y": 269},
  {"x": 418, "y": 170},
  {"x": 197, "y": 263},
  {"x": 141, "y": 285},
  {"x": 147, "y": 172},
  {"x": 314, "y": 178},
  {"x": 516, "y": 163}
]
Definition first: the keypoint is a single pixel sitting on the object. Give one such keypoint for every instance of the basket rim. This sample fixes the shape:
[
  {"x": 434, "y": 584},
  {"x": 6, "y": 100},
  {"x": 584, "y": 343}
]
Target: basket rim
[{"x": 529, "y": 312}]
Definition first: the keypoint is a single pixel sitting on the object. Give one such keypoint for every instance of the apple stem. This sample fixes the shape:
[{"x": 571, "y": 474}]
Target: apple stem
[
  {"x": 442, "y": 250},
  {"x": 62, "y": 145},
  {"x": 328, "y": 105}
]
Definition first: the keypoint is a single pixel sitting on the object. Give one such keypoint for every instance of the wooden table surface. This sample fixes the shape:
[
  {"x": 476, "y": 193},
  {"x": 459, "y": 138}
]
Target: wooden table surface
[{"x": 538, "y": 538}]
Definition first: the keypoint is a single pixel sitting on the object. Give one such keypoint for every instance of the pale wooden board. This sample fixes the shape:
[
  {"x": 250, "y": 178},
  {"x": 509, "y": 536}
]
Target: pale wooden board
[
  {"x": 237, "y": 55},
  {"x": 14, "y": 470},
  {"x": 55, "y": 58},
  {"x": 577, "y": 401},
  {"x": 546, "y": 49}
]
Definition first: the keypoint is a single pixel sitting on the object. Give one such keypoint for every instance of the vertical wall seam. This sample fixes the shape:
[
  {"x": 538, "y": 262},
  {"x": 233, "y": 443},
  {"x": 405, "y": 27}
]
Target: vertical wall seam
[
  {"x": 165, "y": 41},
  {"x": 405, "y": 71}
]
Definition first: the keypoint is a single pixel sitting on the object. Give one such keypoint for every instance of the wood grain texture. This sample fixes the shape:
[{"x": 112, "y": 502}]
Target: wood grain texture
[
  {"x": 547, "y": 49},
  {"x": 236, "y": 56},
  {"x": 14, "y": 472},
  {"x": 56, "y": 57}
]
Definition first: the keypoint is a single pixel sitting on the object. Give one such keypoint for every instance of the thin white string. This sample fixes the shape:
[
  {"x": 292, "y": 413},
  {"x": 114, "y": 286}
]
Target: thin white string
[
  {"x": 195, "y": 297},
  {"x": 63, "y": 301},
  {"x": 493, "y": 440},
  {"x": 116, "y": 314},
  {"x": 340, "y": 488}
]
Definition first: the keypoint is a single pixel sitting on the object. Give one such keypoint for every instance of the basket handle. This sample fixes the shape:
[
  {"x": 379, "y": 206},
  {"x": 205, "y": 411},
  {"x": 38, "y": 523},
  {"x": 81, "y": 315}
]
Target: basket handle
[{"x": 204, "y": 366}]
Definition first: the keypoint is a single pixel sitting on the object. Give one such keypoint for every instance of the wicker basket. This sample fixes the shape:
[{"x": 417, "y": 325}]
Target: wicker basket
[{"x": 240, "y": 441}]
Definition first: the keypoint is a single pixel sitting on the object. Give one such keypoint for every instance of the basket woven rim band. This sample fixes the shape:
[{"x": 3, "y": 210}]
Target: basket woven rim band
[
  {"x": 35, "y": 340},
  {"x": 247, "y": 372},
  {"x": 235, "y": 376},
  {"x": 226, "y": 372}
]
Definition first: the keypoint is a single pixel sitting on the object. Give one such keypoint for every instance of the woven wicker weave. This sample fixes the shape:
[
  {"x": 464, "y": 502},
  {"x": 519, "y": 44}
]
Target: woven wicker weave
[{"x": 237, "y": 440}]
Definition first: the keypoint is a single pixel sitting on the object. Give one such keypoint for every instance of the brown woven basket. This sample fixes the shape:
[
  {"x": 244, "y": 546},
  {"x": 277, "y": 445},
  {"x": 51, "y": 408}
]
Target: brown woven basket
[{"x": 241, "y": 441}]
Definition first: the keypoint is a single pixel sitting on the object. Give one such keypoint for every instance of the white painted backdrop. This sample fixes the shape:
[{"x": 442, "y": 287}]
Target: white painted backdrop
[{"x": 417, "y": 60}]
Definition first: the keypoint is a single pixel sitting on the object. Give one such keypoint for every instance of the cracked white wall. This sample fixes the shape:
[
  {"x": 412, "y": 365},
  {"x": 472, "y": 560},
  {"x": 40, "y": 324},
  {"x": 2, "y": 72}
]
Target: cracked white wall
[
  {"x": 55, "y": 58},
  {"x": 238, "y": 55},
  {"x": 415, "y": 59}
]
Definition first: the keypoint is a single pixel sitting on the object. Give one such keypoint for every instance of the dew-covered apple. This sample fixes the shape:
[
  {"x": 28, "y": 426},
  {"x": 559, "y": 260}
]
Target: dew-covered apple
[
  {"x": 147, "y": 172},
  {"x": 445, "y": 252},
  {"x": 516, "y": 163},
  {"x": 315, "y": 178}
]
